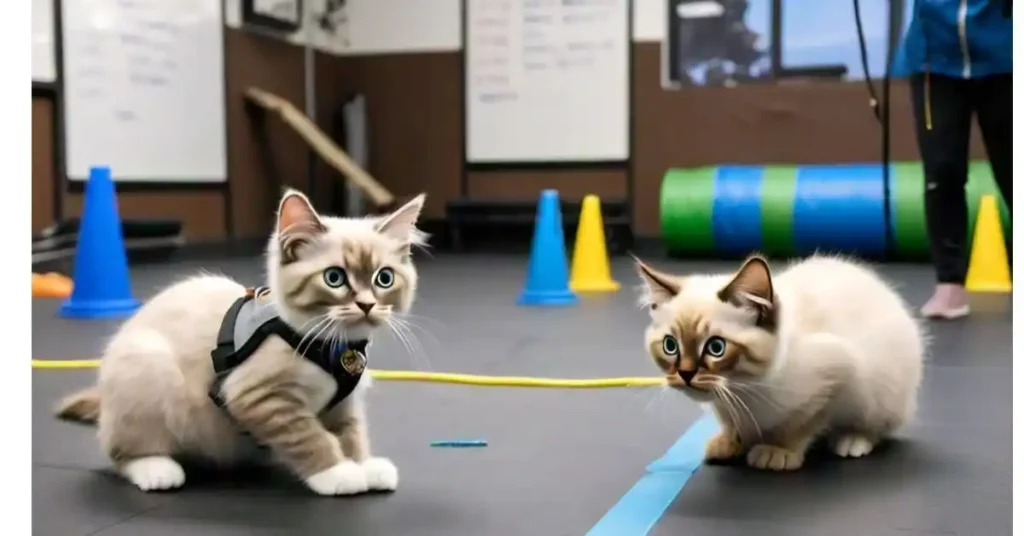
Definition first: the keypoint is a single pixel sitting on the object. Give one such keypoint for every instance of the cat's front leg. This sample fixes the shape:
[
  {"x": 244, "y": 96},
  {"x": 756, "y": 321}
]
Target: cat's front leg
[
  {"x": 281, "y": 421},
  {"x": 348, "y": 422},
  {"x": 789, "y": 442},
  {"x": 724, "y": 446}
]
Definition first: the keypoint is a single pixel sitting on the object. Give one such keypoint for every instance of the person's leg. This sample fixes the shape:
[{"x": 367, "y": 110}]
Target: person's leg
[
  {"x": 993, "y": 101},
  {"x": 942, "y": 119}
]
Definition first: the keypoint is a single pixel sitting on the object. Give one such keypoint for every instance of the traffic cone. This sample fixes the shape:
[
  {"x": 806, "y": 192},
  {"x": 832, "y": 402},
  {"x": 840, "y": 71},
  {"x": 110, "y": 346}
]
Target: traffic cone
[
  {"x": 102, "y": 288},
  {"x": 547, "y": 277},
  {"x": 590, "y": 268},
  {"x": 989, "y": 270}
]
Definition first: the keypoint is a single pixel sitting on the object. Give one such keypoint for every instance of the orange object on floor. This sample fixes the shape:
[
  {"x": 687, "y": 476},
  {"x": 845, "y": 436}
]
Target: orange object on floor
[{"x": 51, "y": 285}]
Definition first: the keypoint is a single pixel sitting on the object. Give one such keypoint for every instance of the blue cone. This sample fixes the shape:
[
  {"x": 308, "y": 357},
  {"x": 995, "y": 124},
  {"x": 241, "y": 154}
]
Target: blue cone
[
  {"x": 547, "y": 277},
  {"x": 102, "y": 286}
]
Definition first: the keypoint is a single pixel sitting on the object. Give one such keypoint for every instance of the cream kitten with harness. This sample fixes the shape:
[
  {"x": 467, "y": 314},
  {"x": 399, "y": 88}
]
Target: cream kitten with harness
[
  {"x": 823, "y": 348},
  {"x": 208, "y": 368}
]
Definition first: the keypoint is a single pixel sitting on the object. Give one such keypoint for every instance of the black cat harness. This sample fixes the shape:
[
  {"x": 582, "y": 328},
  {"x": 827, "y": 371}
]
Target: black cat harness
[{"x": 253, "y": 318}]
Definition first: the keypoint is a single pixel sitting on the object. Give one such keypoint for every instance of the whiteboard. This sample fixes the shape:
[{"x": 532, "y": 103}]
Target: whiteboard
[
  {"x": 547, "y": 80},
  {"x": 44, "y": 61},
  {"x": 144, "y": 89}
]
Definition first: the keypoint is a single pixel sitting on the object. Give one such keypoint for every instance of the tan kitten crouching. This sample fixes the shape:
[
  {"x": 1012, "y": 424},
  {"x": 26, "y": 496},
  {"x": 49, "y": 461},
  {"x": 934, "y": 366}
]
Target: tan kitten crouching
[
  {"x": 825, "y": 347},
  {"x": 210, "y": 369}
]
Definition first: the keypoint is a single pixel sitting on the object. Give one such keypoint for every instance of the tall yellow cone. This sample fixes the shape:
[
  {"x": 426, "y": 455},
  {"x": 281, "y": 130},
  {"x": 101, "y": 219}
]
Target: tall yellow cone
[
  {"x": 590, "y": 269},
  {"x": 989, "y": 269}
]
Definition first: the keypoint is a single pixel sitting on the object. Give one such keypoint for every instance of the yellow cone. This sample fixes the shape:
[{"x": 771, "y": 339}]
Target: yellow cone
[
  {"x": 989, "y": 270},
  {"x": 590, "y": 269}
]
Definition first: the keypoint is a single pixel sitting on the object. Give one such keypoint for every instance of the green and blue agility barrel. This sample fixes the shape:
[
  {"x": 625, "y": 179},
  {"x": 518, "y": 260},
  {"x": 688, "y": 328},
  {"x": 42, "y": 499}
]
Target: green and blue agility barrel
[
  {"x": 796, "y": 210},
  {"x": 906, "y": 204}
]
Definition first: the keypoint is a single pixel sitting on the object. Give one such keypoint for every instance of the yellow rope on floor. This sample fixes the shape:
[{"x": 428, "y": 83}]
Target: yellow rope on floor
[{"x": 434, "y": 377}]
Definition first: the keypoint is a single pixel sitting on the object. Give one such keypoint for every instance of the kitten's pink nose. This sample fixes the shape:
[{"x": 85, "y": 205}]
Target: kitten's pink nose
[{"x": 364, "y": 307}]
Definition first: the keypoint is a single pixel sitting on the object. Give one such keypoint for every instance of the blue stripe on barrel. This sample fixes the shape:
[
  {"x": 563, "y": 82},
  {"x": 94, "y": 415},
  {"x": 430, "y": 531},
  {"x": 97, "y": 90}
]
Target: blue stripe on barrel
[
  {"x": 736, "y": 215},
  {"x": 839, "y": 208}
]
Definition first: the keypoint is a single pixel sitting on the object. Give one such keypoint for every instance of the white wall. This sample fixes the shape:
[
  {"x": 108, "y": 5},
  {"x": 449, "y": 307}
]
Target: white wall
[
  {"x": 378, "y": 26},
  {"x": 649, "y": 20},
  {"x": 383, "y": 26},
  {"x": 403, "y": 26},
  {"x": 44, "y": 61}
]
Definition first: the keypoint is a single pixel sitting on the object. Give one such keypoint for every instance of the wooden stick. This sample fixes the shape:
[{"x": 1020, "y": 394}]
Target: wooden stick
[{"x": 323, "y": 145}]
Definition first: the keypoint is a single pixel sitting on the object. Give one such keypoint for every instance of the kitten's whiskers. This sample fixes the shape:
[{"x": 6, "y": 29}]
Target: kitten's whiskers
[
  {"x": 735, "y": 401},
  {"x": 403, "y": 332},
  {"x": 746, "y": 388},
  {"x": 320, "y": 320},
  {"x": 315, "y": 334},
  {"x": 409, "y": 329}
]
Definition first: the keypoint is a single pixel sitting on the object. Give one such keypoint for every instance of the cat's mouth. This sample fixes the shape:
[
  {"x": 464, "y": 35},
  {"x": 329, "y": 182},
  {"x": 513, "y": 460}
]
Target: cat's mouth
[
  {"x": 697, "y": 389},
  {"x": 363, "y": 322}
]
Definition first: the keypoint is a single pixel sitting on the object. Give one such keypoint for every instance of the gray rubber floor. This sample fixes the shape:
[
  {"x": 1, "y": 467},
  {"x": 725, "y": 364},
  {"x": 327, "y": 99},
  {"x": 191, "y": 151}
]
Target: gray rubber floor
[{"x": 557, "y": 459}]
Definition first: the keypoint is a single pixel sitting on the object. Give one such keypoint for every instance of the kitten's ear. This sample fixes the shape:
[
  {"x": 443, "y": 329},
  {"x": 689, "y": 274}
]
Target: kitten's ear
[
  {"x": 295, "y": 214},
  {"x": 297, "y": 224},
  {"x": 659, "y": 286},
  {"x": 400, "y": 225},
  {"x": 751, "y": 287}
]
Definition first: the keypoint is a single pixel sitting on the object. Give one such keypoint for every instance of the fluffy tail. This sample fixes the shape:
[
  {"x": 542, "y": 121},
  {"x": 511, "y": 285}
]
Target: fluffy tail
[{"x": 83, "y": 406}]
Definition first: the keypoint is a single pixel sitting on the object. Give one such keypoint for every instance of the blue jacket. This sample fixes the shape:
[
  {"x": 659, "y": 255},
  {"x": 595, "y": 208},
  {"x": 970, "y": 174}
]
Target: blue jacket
[{"x": 959, "y": 38}]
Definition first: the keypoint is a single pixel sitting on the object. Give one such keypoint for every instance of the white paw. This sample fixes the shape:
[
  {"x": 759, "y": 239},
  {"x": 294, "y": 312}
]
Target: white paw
[
  {"x": 853, "y": 446},
  {"x": 345, "y": 478},
  {"x": 381, "y": 474},
  {"x": 154, "y": 473}
]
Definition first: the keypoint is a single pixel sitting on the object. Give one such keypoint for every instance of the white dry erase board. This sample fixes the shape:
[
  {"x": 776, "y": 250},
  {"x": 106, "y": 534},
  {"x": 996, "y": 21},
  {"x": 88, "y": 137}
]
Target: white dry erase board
[
  {"x": 547, "y": 80},
  {"x": 44, "y": 61},
  {"x": 144, "y": 89}
]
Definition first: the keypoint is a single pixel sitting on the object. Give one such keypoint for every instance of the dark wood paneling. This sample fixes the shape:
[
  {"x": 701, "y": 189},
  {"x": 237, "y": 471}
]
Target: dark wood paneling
[
  {"x": 277, "y": 67},
  {"x": 44, "y": 180},
  {"x": 201, "y": 213},
  {"x": 527, "y": 185},
  {"x": 817, "y": 122},
  {"x": 414, "y": 114}
]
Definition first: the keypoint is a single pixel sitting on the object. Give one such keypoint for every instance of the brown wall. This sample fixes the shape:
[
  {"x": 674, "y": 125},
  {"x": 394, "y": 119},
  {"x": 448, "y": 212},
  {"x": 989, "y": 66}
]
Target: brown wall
[
  {"x": 43, "y": 183},
  {"x": 414, "y": 116},
  {"x": 415, "y": 135},
  {"x": 413, "y": 106},
  {"x": 796, "y": 124},
  {"x": 526, "y": 185}
]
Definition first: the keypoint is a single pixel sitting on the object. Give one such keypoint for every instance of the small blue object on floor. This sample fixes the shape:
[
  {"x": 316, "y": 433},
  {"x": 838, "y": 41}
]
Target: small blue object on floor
[{"x": 460, "y": 443}]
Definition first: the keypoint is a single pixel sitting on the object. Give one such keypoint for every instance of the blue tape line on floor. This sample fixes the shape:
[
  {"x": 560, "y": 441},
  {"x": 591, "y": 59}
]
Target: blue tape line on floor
[{"x": 642, "y": 506}]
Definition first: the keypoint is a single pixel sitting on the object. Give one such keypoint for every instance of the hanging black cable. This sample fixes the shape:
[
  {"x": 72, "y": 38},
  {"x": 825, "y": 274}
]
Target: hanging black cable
[{"x": 880, "y": 108}]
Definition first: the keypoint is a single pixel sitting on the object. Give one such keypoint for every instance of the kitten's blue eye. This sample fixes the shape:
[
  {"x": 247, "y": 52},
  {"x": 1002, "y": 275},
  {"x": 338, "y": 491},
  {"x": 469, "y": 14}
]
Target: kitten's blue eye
[
  {"x": 385, "y": 278},
  {"x": 335, "y": 277},
  {"x": 715, "y": 346},
  {"x": 670, "y": 346}
]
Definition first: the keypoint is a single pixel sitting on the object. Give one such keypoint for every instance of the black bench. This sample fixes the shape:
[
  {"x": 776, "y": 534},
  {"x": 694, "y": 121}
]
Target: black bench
[{"x": 511, "y": 222}]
